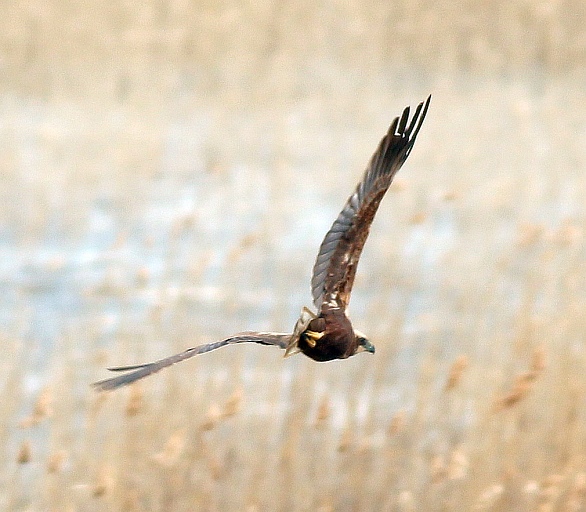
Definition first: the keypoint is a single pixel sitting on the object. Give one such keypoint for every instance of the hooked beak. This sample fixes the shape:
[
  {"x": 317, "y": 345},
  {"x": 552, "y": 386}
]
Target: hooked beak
[
  {"x": 368, "y": 346},
  {"x": 364, "y": 345}
]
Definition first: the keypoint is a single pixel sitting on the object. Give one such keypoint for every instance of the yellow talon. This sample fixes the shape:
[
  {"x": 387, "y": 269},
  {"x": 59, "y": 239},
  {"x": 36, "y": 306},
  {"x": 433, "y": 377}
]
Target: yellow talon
[{"x": 313, "y": 337}]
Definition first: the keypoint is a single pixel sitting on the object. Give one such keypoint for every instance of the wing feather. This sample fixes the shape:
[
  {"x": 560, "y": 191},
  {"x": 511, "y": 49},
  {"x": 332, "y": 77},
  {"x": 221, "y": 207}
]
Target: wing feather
[
  {"x": 337, "y": 259},
  {"x": 139, "y": 371}
]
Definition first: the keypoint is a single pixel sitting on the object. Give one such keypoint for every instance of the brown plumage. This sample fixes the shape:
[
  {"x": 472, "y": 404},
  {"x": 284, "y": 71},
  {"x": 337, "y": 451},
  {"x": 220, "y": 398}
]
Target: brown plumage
[{"x": 328, "y": 334}]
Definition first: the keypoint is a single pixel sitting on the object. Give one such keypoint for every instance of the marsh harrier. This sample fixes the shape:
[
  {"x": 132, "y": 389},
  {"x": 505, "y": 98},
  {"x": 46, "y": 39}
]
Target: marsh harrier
[{"x": 328, "y": 334}]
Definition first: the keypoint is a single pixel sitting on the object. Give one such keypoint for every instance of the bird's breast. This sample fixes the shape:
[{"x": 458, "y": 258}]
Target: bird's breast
[{"x": 326, "y": 339}]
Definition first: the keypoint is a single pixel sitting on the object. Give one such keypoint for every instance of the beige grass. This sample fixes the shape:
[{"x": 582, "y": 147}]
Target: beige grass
[{"x": 168, "y": 171}]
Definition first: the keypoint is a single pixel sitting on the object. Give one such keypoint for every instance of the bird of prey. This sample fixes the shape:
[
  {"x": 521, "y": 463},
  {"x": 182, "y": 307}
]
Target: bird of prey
[{"x": 327, "y": 334}]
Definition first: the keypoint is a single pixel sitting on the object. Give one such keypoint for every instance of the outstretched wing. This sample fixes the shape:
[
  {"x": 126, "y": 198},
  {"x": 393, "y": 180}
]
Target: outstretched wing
[
  {"x": 140, "y": 371},
  {"x": 337, "y": 259}
]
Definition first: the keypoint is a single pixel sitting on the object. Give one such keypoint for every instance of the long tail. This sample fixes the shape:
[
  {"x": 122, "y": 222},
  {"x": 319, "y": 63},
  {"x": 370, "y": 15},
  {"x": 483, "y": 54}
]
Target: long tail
[{"x": 139, "y": 371}]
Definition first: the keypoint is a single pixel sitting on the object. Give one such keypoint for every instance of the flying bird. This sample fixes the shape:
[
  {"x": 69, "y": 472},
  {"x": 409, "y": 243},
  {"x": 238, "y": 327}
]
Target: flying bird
[{"x": 327, "y": 334}]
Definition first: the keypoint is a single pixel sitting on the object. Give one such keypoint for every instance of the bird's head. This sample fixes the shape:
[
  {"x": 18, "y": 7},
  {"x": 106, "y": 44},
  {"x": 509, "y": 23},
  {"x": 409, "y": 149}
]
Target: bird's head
[{"x": 362, "y": 343}]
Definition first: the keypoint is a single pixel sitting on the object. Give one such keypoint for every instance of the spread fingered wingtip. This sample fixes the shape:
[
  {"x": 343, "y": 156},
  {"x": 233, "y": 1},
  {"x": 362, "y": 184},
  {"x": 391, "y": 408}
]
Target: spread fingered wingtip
[
  {"x": 404, "y": 119},
  {"x": 417, "y": 122}
]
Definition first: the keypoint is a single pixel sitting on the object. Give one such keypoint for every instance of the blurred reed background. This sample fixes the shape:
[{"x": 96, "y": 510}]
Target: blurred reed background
[{"x": 168, "y": 172}]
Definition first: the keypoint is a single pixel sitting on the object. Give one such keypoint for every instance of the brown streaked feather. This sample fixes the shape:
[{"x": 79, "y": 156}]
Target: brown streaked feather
[
  {"x": 140, "y": 371},
  {"x": 337, "y": 259}
]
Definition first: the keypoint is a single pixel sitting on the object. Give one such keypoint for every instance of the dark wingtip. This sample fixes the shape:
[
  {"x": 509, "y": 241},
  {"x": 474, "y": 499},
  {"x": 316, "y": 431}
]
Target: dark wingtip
[
  {"x": 135, "y": 373},
  {"x": 427, "y": 102},
  {"x": 404, "y": 119},
  {"x": 127, "y": 368},
  {"x": 393, "y": 128},
  {"x": 103, "y": 385},
  {"x": 117, "y": 382},
  {"x": 418, "y": 119}
]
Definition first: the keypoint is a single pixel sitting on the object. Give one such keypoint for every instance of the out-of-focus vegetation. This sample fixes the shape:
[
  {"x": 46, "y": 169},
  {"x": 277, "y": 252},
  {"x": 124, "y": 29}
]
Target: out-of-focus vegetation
[{"x": 168, "y": 170}]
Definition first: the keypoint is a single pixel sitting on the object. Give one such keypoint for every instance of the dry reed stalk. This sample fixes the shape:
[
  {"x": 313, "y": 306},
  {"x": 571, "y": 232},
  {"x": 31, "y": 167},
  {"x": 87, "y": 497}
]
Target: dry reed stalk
[
  {"x": 523, "y": 382},
  {"x": 56, "y": 461},
  {"x": 188, "y": 201},
  {"x": 456, "y": 371},
  {"x": 42, "y": 409},
  {"x": 24, "y": 453},
  {"x": 135, "y": 402}
]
